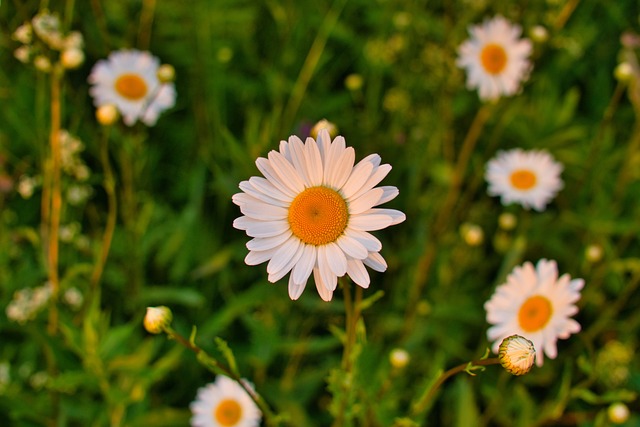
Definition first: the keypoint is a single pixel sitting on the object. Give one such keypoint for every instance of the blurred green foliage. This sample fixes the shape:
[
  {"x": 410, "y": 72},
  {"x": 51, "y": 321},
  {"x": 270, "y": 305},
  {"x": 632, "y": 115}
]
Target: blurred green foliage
[{"x": 251, "y": 73}]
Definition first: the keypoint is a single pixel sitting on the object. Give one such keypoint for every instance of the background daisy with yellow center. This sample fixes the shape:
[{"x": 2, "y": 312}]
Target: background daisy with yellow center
[
  {"x": 224, "y": 403},
  {"x": 312, "y": 213},
  {"x": 531, "y": 178},
  {"x": 129, "y": 80},
  {"x": 496, "y": 58},
  {"x": 537, "y": 304}
]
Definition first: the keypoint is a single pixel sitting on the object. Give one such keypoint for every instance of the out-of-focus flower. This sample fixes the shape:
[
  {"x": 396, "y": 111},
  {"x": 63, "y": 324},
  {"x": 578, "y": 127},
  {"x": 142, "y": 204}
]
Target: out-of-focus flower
[
  {"x": 42, "y": 63},
  {"x": 612, "y": 363},
  {"x": 166, "y": 73},
  {"x": 517, "y": 354},
  {"x": 354, "y": 82},
  {"x": 624, "y": 72},
  {"x": 531, "y": 178},
  {"x": 594, "y": 253},
  {"x": 47, "y": 27},
  {"x": 78, "y": 194},
  {"x": 539, "y": 34},
  {"x": 157, "y": 319},
  {"x": 536, "y": 303},
  {"x": 26, "y": 186},
  {"x": 224, "y": 403},
  {"x": 27, "y": 303},
  {"x": 496, "y": 58},
  {"x": 22, "y": 54},
  {"x": 74, "y": 40},
  {"x": 128, "y": 79},
  {"x": 618, "y": 413},
  {"x": 23, "y": 34},
  {"x": 313, "y": 211},
  {"x": 399, "y": 358},
  {"x": 73, "y": 298}
]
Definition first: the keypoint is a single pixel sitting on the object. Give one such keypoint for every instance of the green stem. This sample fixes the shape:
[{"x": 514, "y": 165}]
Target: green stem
[
  {"x": 216, "y": 367},
  {"x": 422, "y": 405}
]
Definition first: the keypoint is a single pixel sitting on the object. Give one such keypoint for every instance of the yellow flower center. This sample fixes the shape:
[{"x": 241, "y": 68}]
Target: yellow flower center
[
  {"x": 493, "y": 58},
  {"x": 228, "y": 412},
  {"x": 318, "y": 215},
  {"x": 523, "y": 179},
  {"x": 535, "y": 313},
  {"x": 131, "y": 86}
]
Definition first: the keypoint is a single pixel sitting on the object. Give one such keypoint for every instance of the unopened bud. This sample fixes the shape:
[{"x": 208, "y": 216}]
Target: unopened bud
[
  {"x": 618, "y": 413},
  {"x": 42, "y": 63},
  {"x": 517, "y": 354},
  {"x": 539, "y": 34},
  {"x": 166, "y": 73},
  {"x": 157, "y": 319},
  {"x": 623, "y": 72},
  {"x": 324, "y": 124},
  {"x": 399, "y": 358},
  {"x": 507, "y": 221},
  {"x": 594, "y": 253},
  {"x": 72, "y": 58},
  {"x": 107, "y": 114}
]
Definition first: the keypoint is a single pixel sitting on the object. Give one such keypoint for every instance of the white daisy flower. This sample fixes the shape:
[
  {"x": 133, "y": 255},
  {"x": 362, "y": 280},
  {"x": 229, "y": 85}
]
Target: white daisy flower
[
  {"x": 312, "y": 212},
  {"x": 128, "y": 79},
  {"x": 495, "y": 57},
  {"x": 535, "y": 304},
  {"x": 531, "y": 178},
  {"x": 224, "y": 403}
]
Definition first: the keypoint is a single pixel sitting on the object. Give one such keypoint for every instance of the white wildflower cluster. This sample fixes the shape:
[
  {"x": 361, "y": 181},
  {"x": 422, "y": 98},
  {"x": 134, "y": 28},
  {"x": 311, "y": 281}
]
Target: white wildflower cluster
[
  {"x": 27, "y": 185},
  {"x": 27, "y": 302},
  {"x": 42, "y": 37},
  {"x": 73, "y": 298},
  {"x": 72, "y": 163}
]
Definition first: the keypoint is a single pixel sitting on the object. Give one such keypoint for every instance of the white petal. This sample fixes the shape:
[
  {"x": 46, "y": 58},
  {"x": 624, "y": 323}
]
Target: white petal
[
  {"x": 376, "y": 262},
  {"x": 279, "y": 274},
  {"x": 264, "y": 166},
  {"x": 286, "y": 171},
  {"x": 357, "y": 179},
  {"x": 314, "y": 162},
  {"x": 250, "y": 189},
  {"x": 390, "y": 193},
  {"x": 323, "y": 290},
  {"x": 329, "y": 278},
  {"x": 295, "y": 290},
  {"x": 368, "y": 240},
  {"x": 352, "y": 247},
  {"x": 305, "y": 264},
  {"x": 357, "y": 272},
  {"x": 265, "y": 228},
  {"x": 366, "y": 201},
  {"x": 258, "y": 257},
  {"x": 264, "y": 211},
  {"x": 284, "y": 253},
  {"x": 263, "y": 185},
  {"x": 375, "y": 178},
  {"x": 335, "y": 258},
  {"x": 340, "y": 171},
  {"x": 370, "y": 222},
  {"x": 265, "y": 243}
]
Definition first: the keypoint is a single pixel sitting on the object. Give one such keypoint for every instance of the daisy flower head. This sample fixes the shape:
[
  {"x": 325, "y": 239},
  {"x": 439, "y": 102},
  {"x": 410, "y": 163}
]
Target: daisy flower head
[
  {"x": 531, "y": 178},
  {"x": 495, "y": 57},
  {"x": 312, "y": 213},
  {"x": 224, "y": 403},
  {"x": 128, "y": 79},
  {"x": 536, "y": 304}
]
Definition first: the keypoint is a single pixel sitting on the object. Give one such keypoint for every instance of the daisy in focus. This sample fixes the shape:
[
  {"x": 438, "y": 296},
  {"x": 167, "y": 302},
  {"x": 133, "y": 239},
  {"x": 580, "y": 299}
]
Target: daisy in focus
[
  {"x": 496, "y": 58},
  {"x": 129, "y": 80},
  {"x": 224, "y": 403},
  {"x": 535, "y": 304},
  {"x": 531, "y": 178},
  {"x": 313, "y": 211}
]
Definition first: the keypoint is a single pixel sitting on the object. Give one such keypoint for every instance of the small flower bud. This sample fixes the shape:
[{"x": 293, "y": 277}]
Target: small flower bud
[
  {"x": 399, "y": 358},
  {"x": 353, "y": 82},
  {"x": 72, "y": 58},
  {"x": 472, "y": 234},
  {"x": 618, "y": 413},
  {"x": 623, "y": 72},
  {"x": 517, "y": 354},
  {"x": 42, "y": 63},
  {"x": 166, "y": 73},
  {"x": 507, "y": 221},
  {"x": 324, "y": 124},
  {"x": 539, "y": 34},
  {"x": 107, "y": 114},
  {"x": 157, "y": 319},
  {"x": 22, "y": 54},
  {"x": 23, "y": 33},
  {"x": 593, "y": 253}
]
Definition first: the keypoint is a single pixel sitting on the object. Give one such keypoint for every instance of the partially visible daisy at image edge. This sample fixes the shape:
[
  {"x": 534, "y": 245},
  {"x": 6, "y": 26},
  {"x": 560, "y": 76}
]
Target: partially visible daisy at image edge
[
  {"x": 536, "y": 304},
  {"x": 496, "y": 58},
  {"x": 312, "y": 213},
  {"x": 224, "y": 403},
  {"x": 129, "y": 80},
  {"x": 530, "y": 178}
]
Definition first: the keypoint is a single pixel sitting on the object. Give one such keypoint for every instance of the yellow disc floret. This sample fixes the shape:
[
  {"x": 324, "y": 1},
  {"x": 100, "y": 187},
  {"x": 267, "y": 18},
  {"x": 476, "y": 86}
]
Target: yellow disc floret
[
  {"x": 131, "y": 86},
  {"x": 493, "y": 58},
  {"x": 523, "y": 179},
  {"x": 227, "y": 413},
  {"x": 534, "y": 313},
  {"x": 318, "y": 215}
]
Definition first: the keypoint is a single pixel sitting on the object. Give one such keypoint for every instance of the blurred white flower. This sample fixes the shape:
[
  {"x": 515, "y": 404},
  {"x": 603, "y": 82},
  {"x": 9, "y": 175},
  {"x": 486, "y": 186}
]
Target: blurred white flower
[
  {"x": 531, "y": 178},
  {"x": 535, "y": 304},
  {"x": 128, "y": 79},
  {"x": 495, "y": 57}
]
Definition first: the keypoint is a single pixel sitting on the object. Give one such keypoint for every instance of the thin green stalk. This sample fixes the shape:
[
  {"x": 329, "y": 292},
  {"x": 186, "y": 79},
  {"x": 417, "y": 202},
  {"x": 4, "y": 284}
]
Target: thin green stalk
[
  {"x": 422, "y": 405},
  {"x": 216, "y": 367},
  {"x": 146, "y": 22}
]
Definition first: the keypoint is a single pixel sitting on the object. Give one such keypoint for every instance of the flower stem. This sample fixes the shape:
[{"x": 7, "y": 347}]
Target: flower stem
[
  {"x": 216, "y": 367},
  {"x": 421, "y": 405}
]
